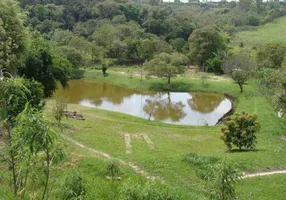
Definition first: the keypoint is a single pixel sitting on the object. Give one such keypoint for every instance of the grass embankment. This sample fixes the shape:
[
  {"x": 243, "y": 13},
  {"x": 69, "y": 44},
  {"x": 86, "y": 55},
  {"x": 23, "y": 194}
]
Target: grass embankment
[
  {"x": 104, "y": 131},
  {"x": 269, "y": 33}
]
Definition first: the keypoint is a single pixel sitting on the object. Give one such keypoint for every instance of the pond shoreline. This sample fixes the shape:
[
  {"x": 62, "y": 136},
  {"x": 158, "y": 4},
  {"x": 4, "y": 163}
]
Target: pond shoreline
[{"x": 178, "y": 108}]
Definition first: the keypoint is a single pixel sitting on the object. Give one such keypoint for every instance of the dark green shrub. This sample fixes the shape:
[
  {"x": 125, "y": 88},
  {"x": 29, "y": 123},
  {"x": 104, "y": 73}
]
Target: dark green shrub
[
  {"x": 113, "y": 168},
  {"x": 214, "y": 65}
]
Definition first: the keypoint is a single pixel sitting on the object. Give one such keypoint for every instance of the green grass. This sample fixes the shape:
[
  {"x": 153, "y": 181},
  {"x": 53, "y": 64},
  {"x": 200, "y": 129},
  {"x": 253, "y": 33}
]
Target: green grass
[
  {"x": 273, "y": 32},
  {"x": 262, "y": 188},
  {"x": 103, "y": 130},
  {"x": 269, "y": 33}
]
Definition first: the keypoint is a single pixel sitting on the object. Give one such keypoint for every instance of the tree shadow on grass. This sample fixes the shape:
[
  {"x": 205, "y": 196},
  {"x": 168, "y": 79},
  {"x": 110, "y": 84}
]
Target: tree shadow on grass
[
  {"x": 78, "y": 74},
  {"x": 178, "y": 86},
  {"x": 244, "y": 150}
]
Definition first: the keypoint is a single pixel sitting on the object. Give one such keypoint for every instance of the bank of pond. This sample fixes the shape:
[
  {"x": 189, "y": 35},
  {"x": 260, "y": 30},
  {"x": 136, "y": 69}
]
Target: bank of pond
[{"x": 181, "y": 108}]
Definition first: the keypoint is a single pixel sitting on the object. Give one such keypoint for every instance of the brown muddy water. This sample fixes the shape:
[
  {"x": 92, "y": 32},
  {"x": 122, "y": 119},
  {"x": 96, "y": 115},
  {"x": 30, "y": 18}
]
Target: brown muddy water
[{"x": 183, "y": 108}]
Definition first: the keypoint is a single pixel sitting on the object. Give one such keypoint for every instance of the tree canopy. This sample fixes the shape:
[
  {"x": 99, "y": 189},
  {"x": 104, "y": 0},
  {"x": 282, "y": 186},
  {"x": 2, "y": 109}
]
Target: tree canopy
[{"x": 167, "y": 65}]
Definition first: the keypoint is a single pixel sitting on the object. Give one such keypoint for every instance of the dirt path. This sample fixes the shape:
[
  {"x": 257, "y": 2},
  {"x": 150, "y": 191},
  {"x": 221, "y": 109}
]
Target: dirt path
[
  {"x": 128, "y": 145},
  {"x": 136, "y": 168},
  {"x": 267, "y": 173},
  {"x": 149, "y": 141}
]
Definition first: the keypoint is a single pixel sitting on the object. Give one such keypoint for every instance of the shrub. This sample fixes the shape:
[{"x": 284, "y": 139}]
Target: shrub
[
  {"x": 104, "y": 68},
  {"x": 214, "y": 65},
  {"x": 147, "y": 191},
  {"x": 221, "y": 178},
  {"x": 197, "y": 160},
  {"x": 241, "y": 131},
  {"x": 74, "y": 187},
  {"x": 58, "y": 110},
  {"x": 113, "y": 168}
]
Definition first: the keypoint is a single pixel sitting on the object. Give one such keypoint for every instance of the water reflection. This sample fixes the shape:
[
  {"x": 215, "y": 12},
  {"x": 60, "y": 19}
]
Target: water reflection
[
  {"x": 173, "y": 107},
  {"x": 205, "y": 102},
  {"x": 164, "y": 109}
]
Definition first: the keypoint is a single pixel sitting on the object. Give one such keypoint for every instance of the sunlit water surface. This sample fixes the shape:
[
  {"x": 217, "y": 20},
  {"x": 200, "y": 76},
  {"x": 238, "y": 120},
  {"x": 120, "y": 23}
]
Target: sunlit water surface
[{"x": 194, "y": 108}]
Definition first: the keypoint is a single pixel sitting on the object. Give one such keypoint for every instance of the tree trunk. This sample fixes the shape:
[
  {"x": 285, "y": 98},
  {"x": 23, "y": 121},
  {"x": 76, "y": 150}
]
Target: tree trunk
[
  {"x": 241, "y": 87},
  {"x": 169, "y": 80}
]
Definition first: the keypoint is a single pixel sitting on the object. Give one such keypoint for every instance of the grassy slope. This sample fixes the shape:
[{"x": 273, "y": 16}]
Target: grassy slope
[
  {"x": 263, "y": 188},
  {"x": 269, "y": 33},
  {"x": 103, "y": 130}
]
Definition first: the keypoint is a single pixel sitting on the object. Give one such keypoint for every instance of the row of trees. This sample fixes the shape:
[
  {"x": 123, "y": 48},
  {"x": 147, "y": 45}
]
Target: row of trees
[{"x": 135, "y": 31}]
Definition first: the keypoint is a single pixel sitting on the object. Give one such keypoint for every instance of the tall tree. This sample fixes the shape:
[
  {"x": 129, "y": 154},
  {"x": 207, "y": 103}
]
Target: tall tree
[
  {"x": 13, "y": 35},
  {"x": 46, "y": 68},
  {"x": 205, "y": 43}
]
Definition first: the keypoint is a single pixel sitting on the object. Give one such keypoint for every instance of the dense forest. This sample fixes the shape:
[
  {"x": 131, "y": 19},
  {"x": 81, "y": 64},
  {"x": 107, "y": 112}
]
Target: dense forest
[{"x": 46, "y": 43}]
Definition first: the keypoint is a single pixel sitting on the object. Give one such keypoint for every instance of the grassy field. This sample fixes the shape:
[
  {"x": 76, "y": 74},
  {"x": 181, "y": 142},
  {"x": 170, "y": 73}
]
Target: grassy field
[
  {"x": 104, "y": 131},
  {"x": 269, "y": 33},
  {"x": 273, "y": 32},
  {"x": 163, "y": 158},
  {"x": 263, "y": 188}
]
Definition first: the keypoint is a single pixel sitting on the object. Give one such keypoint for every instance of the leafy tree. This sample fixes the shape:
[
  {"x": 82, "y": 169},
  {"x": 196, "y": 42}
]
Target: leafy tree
[
  {"x": 13, "y": 35},
  {"x": 271, "y": 56},
  {"x": 16, "y": 93},
  {"x": 167, "y": 65},
  {"x": 222, "y": 177},
  {"x": 72, "y": 55},
  {"x": 239, "y": 68},
  {"x": 204, "y": 44},
  {"x": 41, "y": 66},
  {"x": 179, "y": 44},
  {"x": 241, "y": 131},
  {"x": 34, "y": 132}
]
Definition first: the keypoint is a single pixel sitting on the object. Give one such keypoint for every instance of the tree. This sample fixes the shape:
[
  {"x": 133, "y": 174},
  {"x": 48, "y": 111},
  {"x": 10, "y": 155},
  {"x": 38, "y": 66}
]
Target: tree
[
  {"x": 13, "y": 35},
  {"x": 239, "y": 68},
  {"x": 271, "y": 56},
  {"x": 167, "y": 65},
  {"x": 45, "y": 68},
  {"x": 32, "y": 130},
  {"x": 241, "y": 131},
  {"x": 205, "y": 43},
  {"x": 17, "y": 92}
]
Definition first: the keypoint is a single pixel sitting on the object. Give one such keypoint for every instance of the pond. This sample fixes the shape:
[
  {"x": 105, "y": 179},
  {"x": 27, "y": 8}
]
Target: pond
[{"x": 194, "y": 108}]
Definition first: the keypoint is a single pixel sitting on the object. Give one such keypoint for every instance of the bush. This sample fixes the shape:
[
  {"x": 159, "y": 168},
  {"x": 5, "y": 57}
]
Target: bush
[
  {"x": 16, "y": 92},
  {"x": 74, "y": 187},
  {"x": 240, "y": 131},
  {"x": 221, "y": 178},
  {"x": 147, "y": 191},
  {"x": 197, "y": 160},
  {"x": 253, "y": 20},
  {"x": 214, "y": 65},
  {"x": 58, "y": 110},
  {"x": 112, "y": 168}
]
